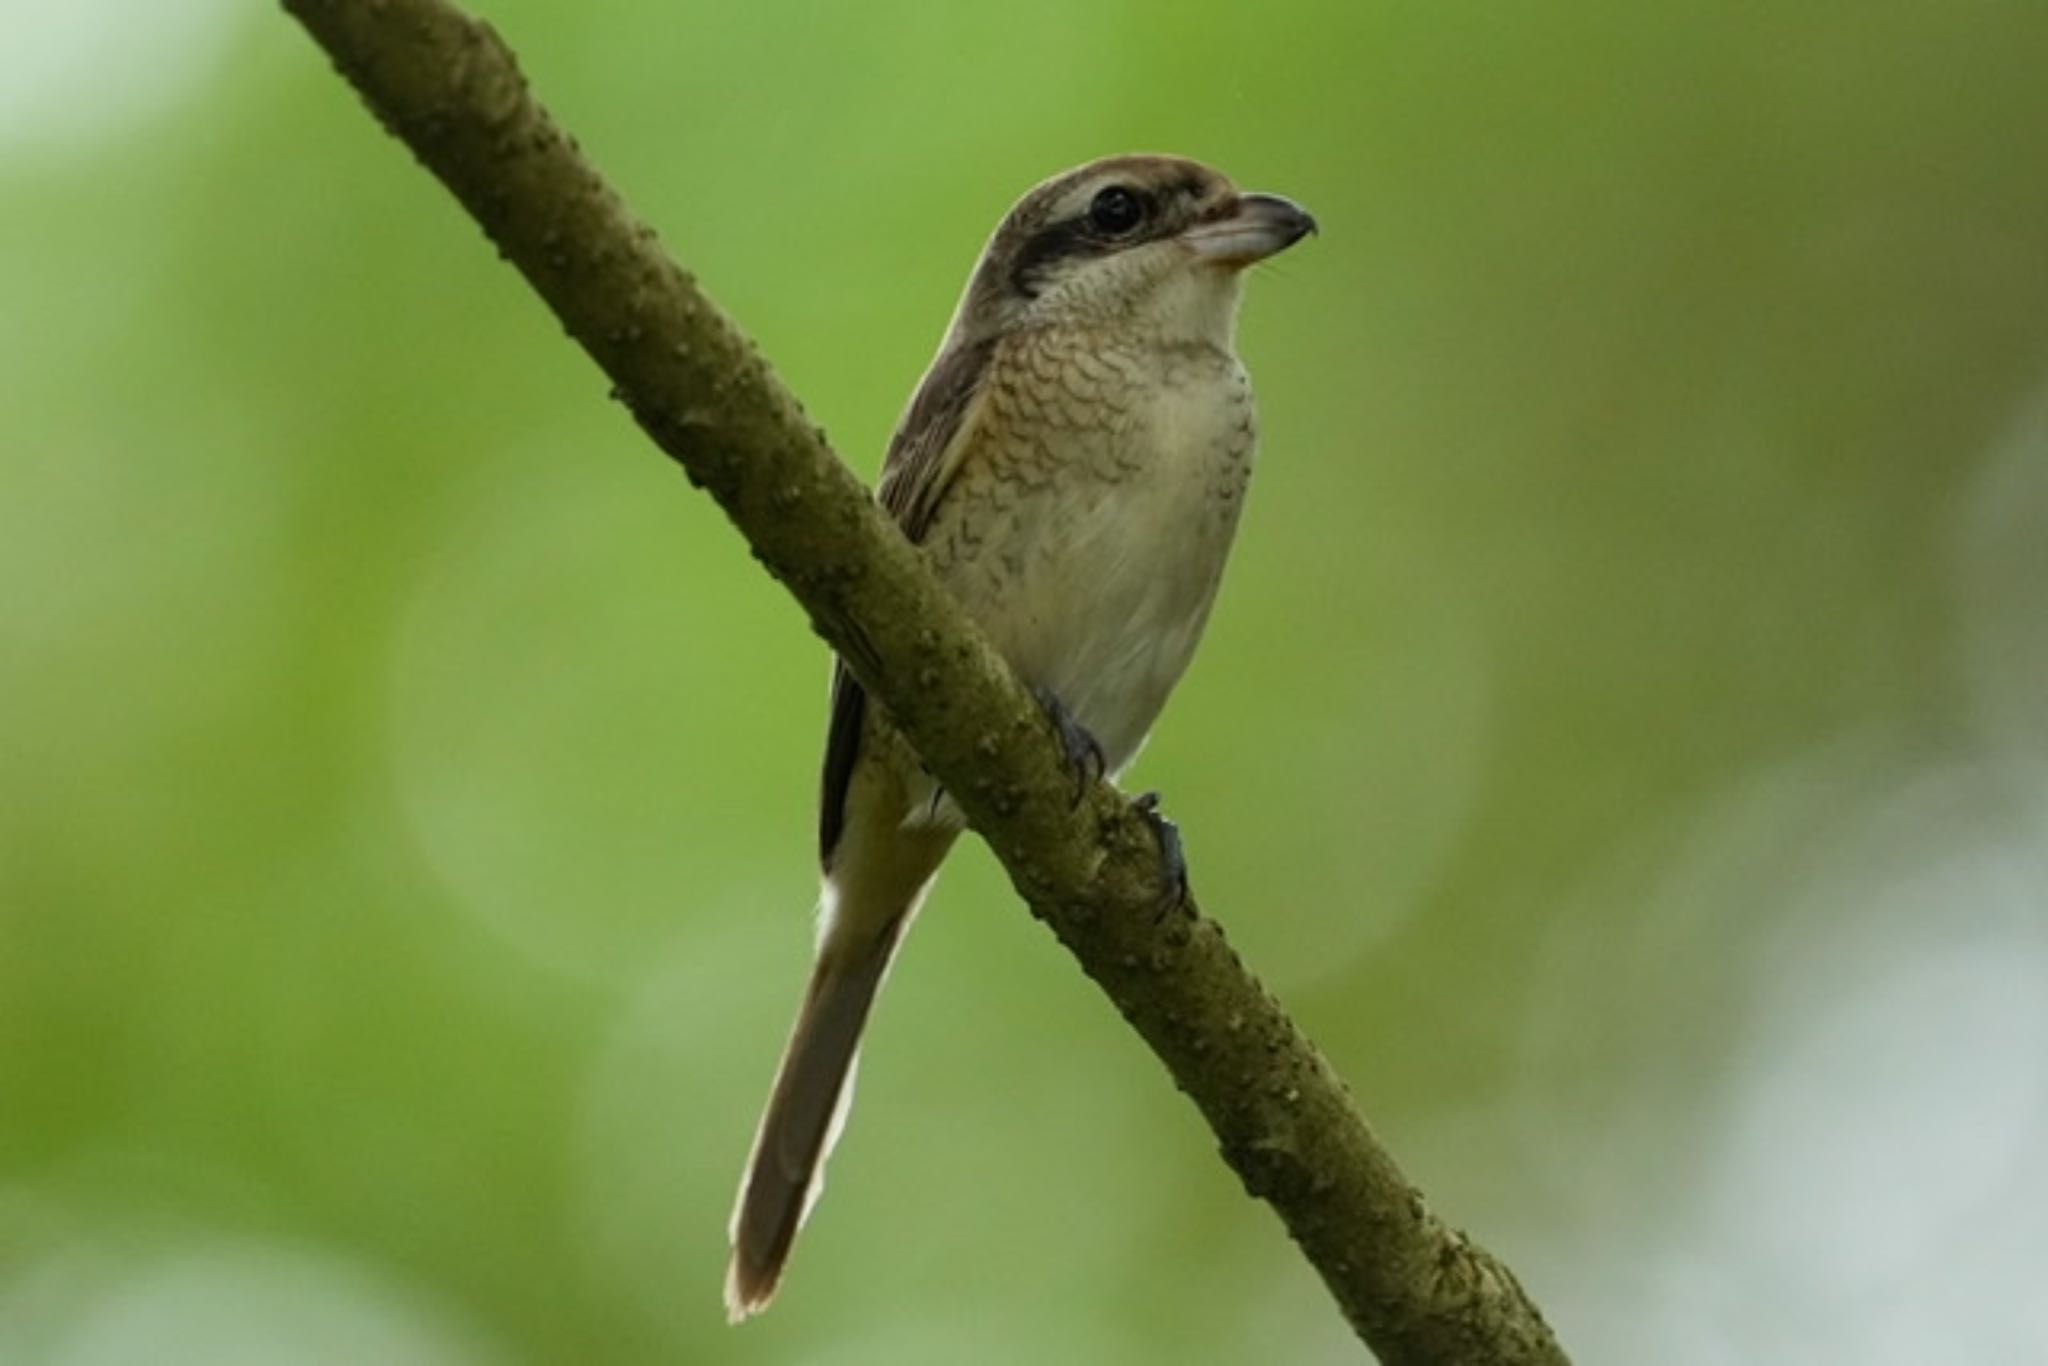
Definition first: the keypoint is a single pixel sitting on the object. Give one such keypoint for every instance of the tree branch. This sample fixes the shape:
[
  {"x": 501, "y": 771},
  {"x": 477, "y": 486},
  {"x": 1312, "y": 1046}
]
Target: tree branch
[{"x": 447, "y": 86}]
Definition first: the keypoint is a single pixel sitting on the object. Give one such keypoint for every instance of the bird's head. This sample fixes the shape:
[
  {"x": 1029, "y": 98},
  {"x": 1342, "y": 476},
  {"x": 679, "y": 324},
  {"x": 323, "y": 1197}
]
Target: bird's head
[{"x": 1152, "y": 242}]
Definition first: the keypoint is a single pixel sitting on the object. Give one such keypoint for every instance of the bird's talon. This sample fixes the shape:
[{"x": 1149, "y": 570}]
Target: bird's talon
[
  {"x": 1084, "y": 753},
  {"x": 1173, "y": 862}
]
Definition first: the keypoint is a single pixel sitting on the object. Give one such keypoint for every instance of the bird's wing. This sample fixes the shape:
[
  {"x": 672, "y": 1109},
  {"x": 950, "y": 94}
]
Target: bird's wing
[{"x": 924, "y": 455}]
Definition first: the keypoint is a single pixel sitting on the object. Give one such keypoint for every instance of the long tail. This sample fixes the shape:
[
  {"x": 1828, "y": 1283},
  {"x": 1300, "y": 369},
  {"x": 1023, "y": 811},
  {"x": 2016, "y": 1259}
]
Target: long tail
[
  {"x": 805, "y": 1113},
  {"x": 876, "y": 877}
]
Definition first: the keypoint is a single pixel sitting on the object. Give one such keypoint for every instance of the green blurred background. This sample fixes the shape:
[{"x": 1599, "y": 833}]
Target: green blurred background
[{"x": 1623, "y": 739}]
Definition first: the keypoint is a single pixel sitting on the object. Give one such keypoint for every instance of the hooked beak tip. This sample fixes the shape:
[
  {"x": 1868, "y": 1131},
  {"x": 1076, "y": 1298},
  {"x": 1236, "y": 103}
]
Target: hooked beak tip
[{"x": 1250, "y": 229}]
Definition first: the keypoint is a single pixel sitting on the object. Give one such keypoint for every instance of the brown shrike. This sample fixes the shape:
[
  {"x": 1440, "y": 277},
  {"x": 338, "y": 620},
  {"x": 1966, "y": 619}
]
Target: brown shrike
[{"x": 1073, "y": 465}]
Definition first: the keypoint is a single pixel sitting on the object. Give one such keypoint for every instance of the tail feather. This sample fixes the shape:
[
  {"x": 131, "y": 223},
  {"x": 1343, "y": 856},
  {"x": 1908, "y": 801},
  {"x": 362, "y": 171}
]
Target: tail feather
[
  {"x": 806, "y": 1111},
  {"x": 875, "y": 880}
]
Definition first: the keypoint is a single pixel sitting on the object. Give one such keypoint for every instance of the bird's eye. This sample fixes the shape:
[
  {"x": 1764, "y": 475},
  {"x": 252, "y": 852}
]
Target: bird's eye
[{"x": 1115, "y": 211}]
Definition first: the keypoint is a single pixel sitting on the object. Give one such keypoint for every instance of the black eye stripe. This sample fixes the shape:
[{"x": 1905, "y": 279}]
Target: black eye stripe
[
  {"x": 1081, "y": 236},
  {"x": 1047, "y": 247}
]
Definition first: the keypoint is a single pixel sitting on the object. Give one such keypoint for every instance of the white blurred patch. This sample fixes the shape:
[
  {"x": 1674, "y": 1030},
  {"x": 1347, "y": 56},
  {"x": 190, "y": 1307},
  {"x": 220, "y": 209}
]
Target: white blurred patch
[
  {"x": 1909, "y": 1038},
  {"x": 1877, "y": 1185},
  {"x": 1810, "y": 1109},
  {"x": 98, "y": 68},
  {"x": 100, "y": 1301}
]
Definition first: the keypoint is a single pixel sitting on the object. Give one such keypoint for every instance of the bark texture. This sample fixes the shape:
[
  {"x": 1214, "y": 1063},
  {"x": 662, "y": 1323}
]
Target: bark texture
[{"x": 1418, "y": 1292}]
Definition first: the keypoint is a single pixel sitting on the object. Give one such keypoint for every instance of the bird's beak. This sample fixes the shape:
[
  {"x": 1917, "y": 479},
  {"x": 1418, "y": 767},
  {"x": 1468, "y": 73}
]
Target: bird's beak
[{"x": 1248, "y": 228}]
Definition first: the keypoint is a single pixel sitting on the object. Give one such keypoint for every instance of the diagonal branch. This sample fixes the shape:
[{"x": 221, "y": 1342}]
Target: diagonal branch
[{"x": 447, "y": 86}]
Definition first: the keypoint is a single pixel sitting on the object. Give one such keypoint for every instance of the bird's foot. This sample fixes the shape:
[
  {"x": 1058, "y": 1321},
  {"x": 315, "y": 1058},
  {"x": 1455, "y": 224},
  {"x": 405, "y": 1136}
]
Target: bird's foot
[
  {"x": 1173, "y": 861},
  {"x": 1084, "y": 754}
]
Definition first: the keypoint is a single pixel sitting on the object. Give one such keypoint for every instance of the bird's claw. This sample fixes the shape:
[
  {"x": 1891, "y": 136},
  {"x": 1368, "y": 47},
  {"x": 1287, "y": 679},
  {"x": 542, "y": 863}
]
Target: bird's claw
[
  {"x": 1084, "y": 753},
  {"x": 1173, "y": 862}
]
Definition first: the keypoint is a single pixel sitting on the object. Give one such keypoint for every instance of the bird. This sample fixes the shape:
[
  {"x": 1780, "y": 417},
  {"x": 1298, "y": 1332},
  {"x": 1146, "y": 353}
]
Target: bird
[{"x": 1073, "y": 466}]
